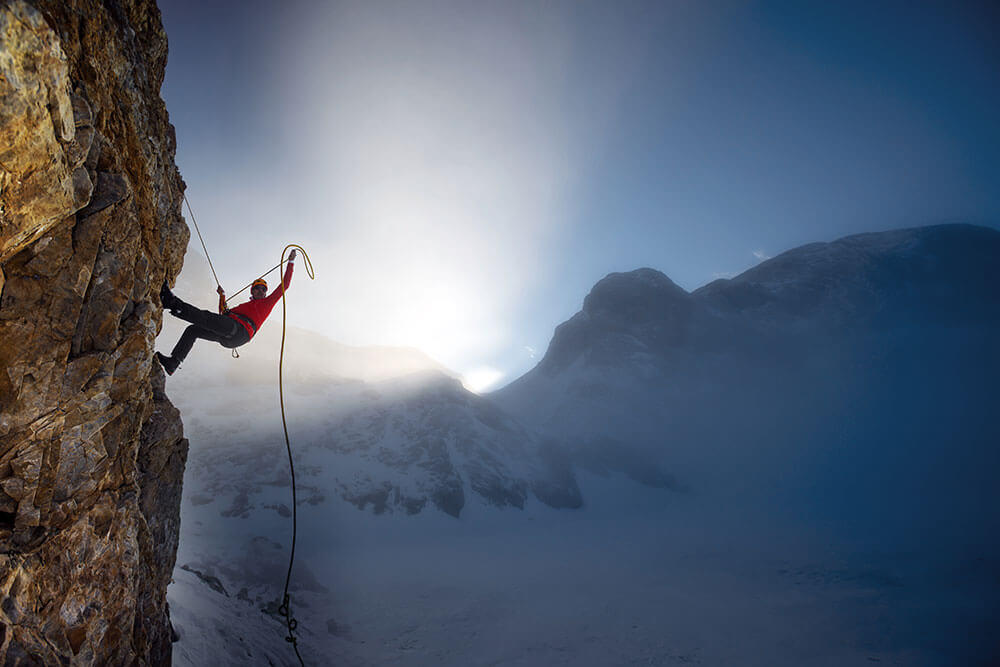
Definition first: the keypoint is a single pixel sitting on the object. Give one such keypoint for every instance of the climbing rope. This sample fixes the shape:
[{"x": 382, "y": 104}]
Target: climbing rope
[
  {"x": 207, "y": 256},
  {"x": 285, "y": 609},
  {"x": 250, "y": 284}
]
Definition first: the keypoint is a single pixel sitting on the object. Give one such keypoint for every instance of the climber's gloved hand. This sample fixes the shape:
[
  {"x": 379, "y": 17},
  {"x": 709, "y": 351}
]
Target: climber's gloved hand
[
  {"x": 291, "y": 257},
  {"x": 220, "y": 290}
]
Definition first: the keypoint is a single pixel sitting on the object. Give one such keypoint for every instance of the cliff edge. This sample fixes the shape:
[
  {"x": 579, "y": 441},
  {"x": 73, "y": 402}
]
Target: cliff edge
[{"x": 92, "y": 453}]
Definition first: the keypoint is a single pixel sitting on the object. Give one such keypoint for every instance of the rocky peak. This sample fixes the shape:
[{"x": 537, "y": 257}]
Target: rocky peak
[
  {"x": 91, "y": 451},
  {"x": 637, "y": 296},
  {"x": 641, "y": 309}
]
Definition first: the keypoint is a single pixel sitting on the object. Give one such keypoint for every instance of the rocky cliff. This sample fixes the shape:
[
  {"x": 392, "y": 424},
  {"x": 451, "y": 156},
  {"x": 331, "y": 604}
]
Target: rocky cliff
[{"x": 91, "y": 451}]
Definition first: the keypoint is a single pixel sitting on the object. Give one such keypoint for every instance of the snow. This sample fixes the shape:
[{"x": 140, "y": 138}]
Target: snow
[
  {"x": 223, "y": 631},
  {"x": 638, "y": 578}
]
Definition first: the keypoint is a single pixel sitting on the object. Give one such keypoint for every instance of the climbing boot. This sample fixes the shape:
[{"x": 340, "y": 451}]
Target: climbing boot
[
  {"x": 169, "y": 363},
  {"x": 167, "y": 298}
]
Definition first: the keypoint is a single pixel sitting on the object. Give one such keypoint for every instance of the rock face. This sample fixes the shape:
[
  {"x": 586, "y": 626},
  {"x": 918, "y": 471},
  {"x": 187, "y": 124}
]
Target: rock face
[
  {"x": 642, "y": 305},
  {"x": 91, "y": 451}
]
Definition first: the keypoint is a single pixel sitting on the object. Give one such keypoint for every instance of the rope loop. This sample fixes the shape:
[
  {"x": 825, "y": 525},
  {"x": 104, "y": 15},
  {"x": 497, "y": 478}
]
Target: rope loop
[{"x": 279, "y": 265}]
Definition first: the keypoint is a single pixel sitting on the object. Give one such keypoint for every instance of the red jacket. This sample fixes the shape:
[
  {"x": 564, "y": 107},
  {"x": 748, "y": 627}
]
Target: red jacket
[{"x": 257, "y": 310}]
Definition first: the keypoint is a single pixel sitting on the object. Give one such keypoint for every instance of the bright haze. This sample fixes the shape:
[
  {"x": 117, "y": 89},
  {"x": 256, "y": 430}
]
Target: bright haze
[{"x": 461, "y": 173}]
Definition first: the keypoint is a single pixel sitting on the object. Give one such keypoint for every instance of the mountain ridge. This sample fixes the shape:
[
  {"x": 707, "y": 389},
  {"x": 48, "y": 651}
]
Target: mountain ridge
[{"x": 846, "y": 276}]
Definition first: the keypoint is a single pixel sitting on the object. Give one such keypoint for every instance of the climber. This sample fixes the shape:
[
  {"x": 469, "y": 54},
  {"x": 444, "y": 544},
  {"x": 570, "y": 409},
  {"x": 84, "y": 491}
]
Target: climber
[{"x": 230, "y": 328}]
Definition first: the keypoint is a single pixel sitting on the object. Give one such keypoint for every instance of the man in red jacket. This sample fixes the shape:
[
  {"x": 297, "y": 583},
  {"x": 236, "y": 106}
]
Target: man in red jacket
[{"x": 231, "y": 327}]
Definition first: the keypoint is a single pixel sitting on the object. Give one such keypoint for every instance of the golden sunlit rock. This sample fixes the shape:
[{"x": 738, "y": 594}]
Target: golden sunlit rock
[{"x": 91, "y": 451}]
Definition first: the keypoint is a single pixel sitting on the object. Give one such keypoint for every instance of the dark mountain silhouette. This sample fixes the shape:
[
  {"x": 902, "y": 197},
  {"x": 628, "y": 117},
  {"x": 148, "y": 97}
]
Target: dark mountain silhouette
[{"x": 854, "y": 381}]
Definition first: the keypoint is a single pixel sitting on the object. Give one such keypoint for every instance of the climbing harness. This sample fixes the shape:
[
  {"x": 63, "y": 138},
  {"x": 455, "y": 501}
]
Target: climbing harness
[{"x": 285, "y": 608}]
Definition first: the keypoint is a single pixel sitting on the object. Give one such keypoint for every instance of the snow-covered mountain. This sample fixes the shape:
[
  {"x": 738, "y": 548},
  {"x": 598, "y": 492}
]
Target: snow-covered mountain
[
  {"x": 724, "y": 387},
  {"x": 825, "y": 372},
  {"x": 841, "y": 394},
  {"x": 415, "y": 442},
  {"x": 642, "y": 324},
  {"x": 942, "y": 274}
]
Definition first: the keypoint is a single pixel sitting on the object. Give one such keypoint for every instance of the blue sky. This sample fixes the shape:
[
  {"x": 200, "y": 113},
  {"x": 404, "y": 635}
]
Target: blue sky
[{"x": 462, "y": 173}]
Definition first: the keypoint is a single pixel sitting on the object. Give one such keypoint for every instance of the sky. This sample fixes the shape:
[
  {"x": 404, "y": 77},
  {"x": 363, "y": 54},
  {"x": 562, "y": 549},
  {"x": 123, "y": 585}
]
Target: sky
[{"x": 462, "y": 173}]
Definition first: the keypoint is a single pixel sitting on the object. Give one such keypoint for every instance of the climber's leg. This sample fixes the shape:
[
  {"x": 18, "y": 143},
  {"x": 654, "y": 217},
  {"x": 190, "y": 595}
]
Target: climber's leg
[
  {"x": 190, "y": 335},
  {"x": 220, "y": 325}
]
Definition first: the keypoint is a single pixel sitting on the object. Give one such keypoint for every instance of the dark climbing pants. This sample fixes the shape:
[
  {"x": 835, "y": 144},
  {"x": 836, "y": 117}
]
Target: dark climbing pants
[{"x": 208, "y": 326}]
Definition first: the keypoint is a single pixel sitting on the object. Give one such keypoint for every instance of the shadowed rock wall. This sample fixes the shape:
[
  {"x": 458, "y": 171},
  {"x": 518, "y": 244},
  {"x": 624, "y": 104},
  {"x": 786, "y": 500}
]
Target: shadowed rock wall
[{"x": 91, "y": 451}]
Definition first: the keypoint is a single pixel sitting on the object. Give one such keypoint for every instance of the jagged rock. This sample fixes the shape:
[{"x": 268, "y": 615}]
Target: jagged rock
[
  {"x": 91, "y": 451},
  {"x": 36, "y": 180},
  {"x": 213, "y": 582},
  {"x": 623, "y": 307},
  {"x": 110, "y": 189},
  {"x": 83, "y": 186},
  {"x": 83, "y": 119}
]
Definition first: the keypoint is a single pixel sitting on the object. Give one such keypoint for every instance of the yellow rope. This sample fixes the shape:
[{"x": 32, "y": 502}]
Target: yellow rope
[{"x": 285, "y": 608}]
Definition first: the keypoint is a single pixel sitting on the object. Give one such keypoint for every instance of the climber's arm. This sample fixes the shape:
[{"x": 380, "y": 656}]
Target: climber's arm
[{"x": 286, "y": 281}]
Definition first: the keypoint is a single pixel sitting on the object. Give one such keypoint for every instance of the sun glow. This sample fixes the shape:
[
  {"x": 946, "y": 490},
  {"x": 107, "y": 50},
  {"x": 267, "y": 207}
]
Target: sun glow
[
  {"x": 482, "y": 379},
  {"x": 427, "y": 167},
  {"x": 437, "y": 186}
]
